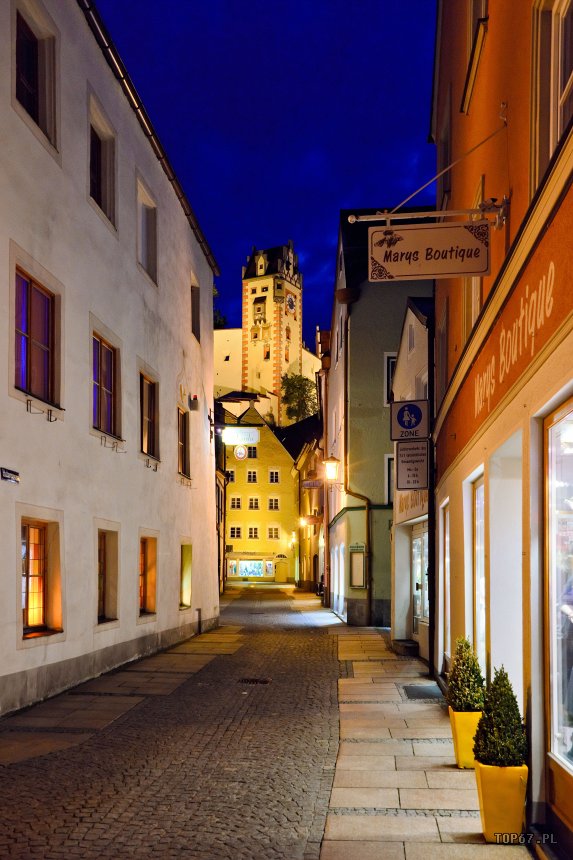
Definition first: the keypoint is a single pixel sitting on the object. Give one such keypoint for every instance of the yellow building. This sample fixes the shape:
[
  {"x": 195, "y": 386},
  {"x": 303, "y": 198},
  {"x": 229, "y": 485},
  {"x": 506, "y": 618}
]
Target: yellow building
[{"x": 262, "y": 502}]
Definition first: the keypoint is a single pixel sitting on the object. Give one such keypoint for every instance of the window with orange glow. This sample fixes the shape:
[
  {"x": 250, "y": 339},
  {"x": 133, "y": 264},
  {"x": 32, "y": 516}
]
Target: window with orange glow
[{"x": 33, "y": 576}]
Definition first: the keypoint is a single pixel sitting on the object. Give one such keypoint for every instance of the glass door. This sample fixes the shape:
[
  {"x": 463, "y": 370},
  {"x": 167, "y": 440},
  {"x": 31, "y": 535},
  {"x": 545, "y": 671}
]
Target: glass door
[{"x": 419, "y": 567}]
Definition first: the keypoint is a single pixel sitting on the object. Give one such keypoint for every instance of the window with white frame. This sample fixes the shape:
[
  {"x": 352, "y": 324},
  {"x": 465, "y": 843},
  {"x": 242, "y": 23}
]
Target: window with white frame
[
  {"x": 553, "y": 76},
  {"x": 107, "y": 575},
  {"x": 253, "y": 503},
  {"x": 235, "y": 531},
  {"x": 235, "y": 503},
  {"x": 253, "y": 532},
  {"x": 273, "y": 533},
  {"x": 273, "y": 503},
  {"x": 147, "y": 575},
  {"x": 101, "y": 161},
  {"x": 252, "y": 452},
  {"x": 35, "y": 68},
  {"x": 35, "y": 339},
  {"x": 146, "y": 231},
  {"x": 252, "y": 476},
  {"x": 40, "y": 577},
  {"x": 273, "y": 476}
]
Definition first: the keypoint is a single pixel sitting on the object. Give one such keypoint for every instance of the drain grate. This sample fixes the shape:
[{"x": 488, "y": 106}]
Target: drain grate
[
  {"x": 254, "y": 680},
  {"x": 422, "y": 691}
]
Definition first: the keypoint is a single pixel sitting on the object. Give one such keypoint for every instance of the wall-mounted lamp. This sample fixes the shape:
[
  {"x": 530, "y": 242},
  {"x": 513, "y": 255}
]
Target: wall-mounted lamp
[
  {"x": 302, "y": 522},
  {"x": 331, "y": 465}
]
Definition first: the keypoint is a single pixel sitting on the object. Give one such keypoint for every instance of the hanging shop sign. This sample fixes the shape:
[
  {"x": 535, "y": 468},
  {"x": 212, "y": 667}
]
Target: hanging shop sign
[
  {"x": 409, "y": 420},
  {"x": 412, "y": 465},
  {"x": 420, "y": 251},
  {"x": 314, "y": 484},
  {"x": 241, "y": 435}
]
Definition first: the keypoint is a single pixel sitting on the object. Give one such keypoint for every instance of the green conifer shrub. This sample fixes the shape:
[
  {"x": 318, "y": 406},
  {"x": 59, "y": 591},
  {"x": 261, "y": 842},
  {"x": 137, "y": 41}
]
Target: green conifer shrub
[
  {"x": 465, "y": 680},
  {"x": 500, "y": 738}
]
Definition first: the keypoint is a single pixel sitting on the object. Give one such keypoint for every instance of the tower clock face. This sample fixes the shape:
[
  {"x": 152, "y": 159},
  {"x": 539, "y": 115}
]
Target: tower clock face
[{"x": 291, "y": 304}]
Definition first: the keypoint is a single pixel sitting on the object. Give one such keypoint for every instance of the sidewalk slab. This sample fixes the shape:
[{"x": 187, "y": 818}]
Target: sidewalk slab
[
  {"x": 379, "y": 778},
  {"x": 439, "y": 798},
  {"x": 361, "y": 798},
  {"x": 357, "y": 762},
  {"x": 383, "y": 748},
  {"x": 383, "y": 828},
  {"x": 362, "y": 851},
  {"x": 468, "y": 852}
]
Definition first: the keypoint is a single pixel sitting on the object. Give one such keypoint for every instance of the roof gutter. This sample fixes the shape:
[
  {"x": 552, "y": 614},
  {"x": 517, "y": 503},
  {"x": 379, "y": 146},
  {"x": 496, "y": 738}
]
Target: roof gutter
[{"x": 110, "y": 53}]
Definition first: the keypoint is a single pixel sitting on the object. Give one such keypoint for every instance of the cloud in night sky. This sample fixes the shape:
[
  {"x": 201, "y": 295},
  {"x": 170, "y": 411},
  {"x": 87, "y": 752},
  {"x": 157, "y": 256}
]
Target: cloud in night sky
[{"x": 276, "y": 114}]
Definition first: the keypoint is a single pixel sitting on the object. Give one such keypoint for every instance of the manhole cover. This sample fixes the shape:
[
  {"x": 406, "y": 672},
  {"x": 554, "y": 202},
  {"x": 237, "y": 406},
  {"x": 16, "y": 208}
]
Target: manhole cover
[
  {"x": 254, "y": 680},
  {"x": 423, "y": 691}
]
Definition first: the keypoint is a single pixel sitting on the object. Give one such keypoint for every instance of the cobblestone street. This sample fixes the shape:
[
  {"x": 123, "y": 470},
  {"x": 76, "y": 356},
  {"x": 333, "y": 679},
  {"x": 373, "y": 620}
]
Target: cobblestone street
[{"x": 210, "y": 767}]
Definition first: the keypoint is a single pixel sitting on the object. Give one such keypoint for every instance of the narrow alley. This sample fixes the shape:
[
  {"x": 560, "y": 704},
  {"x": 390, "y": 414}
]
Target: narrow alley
[{"x": 282, "y": 734}]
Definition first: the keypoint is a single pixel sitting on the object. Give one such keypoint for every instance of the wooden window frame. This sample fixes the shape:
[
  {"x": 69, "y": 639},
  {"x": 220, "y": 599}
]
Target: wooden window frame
[
  {"x": 183, "y": 447},
  {"x": 149, "y": 416},
  {"x": 28, "y": 577},
  {"x": 252, "y": 476},
  {"x": 98, "y": 399},
  {"x": 25, "y": 336},
  {"x": 278, "y": 477}
]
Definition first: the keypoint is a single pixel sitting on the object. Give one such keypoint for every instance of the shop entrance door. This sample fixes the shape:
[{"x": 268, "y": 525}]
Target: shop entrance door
[{"x": 419, "y": 568}]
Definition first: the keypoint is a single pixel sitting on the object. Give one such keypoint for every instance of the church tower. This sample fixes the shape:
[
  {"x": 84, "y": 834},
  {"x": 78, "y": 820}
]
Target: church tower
[{"x": 272, "y": 321}]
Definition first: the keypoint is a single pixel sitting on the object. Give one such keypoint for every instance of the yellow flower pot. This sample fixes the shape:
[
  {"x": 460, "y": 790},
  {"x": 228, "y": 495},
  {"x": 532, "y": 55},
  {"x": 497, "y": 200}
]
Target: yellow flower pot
[
  {"x": 464, "y": 726},
  {"x": 501, "y": 792}
]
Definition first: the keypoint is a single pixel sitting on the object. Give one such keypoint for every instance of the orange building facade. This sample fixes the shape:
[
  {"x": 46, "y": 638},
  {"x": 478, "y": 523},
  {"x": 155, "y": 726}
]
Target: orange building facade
[{"x": 503, "y": 102}]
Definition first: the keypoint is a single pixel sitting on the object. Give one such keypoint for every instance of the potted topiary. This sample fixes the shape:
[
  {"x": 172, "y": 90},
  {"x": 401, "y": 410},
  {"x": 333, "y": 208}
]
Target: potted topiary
[
  {"x": 500, "y": 751},
  {"x": 465, "y": 699}
]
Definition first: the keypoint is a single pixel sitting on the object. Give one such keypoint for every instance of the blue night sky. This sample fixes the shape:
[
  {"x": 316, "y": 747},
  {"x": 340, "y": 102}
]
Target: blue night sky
[{"x": 276, "y": 115}]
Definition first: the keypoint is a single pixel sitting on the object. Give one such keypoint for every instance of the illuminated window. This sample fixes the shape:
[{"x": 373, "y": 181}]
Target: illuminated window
[
  {"x": 146, "y": 232},
  {"x": 235, "y": 531},
  {"x": 149, "y": 406},
  {"x": 445, "y": 551},
  {"x": 266, "y": 352},
  {"x": 253, "y": 532},
  {"x": 273, "y": 533},
  {"x": 273, "y": 476},
  {"x": 251, "y": 476},
  {"x": 273, "y": 504},
  {"x": 185, "y": 576},
  {"x": 235, "y": 503},
  {"x": 253, "y": 503},
  {"x": 34, "y": 576},
  {"x": 183, "y": 443},
  {"x": 107, "y": 569},
  {"x": 35, "y": 73},
  {"x": 147, "y": 575},
  {"x": 35, "y": 336},
  {"x": 104, "y": 387}
]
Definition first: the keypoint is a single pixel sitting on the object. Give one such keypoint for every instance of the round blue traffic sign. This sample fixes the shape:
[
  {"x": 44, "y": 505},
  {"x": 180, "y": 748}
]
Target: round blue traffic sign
[{"x": 409, "y": 416}]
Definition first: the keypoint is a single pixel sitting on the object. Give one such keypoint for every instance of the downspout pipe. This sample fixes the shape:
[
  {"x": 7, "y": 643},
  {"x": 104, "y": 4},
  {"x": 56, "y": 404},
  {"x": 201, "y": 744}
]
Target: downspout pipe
[{"x": 349, "y": 491}]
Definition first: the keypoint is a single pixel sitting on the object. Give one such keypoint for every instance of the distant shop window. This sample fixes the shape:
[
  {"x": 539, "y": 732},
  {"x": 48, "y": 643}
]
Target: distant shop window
[{"x": 420, "y": 593}]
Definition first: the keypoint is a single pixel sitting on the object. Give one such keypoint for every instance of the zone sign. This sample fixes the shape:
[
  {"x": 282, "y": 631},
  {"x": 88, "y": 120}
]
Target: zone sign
[{"x": 409, "y": 420}]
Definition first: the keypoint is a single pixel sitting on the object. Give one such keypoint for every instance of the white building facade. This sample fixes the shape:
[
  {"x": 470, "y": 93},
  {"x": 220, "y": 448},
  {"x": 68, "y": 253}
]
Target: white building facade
[{"x": 106, "y": 353}]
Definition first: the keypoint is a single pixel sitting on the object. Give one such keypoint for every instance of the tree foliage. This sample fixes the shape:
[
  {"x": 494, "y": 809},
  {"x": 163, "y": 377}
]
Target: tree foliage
[
  {"x": 465, "y": 680},
  {"x": 500, "y": 738},
  {"x": 299, "y": 396}
]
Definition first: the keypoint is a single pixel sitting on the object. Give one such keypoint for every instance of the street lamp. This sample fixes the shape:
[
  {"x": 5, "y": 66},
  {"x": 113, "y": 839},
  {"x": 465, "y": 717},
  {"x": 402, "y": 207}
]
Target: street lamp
[{"x": 331, "y": 465}]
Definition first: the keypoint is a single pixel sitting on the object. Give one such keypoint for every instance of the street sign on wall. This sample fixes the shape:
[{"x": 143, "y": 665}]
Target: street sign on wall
[
  {"x": 421, "y": 251},
  {"x": 409, "y": 420},
  {"x": 412, "y": 465},
  {"x": 241, "y": 435}
]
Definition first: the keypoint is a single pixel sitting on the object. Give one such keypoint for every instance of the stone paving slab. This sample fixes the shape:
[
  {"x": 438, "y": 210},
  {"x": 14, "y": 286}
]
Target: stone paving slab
[
  {"x": 383, "y": 748},
  {"x": 425, "y": 749},
  {"x": 173, "y": 662},
  {"x": 364, "y": 732},
  {"x": 20, "y": 746},
  {"x": 382, "y": 798},
  {"x": 360, "y": 850},
  {"x": 444, "y": 731},
  {"x": 379, "y": 779},
  {"x": 418, "y": 762},
  {"x": 372, "y": 722},
  {"x": 451, "y": 779},
  {"x": 357, "y": 762},
  {"x": 383, "y": 828},
  {"x": 142, "y": 683},
  {"x": 468, "y": 852},
  {"x": 439, "y": 798}
]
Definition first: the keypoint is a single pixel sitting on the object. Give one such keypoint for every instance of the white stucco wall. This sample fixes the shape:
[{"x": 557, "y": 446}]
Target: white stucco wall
[{"x": 51, "y": 228}]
